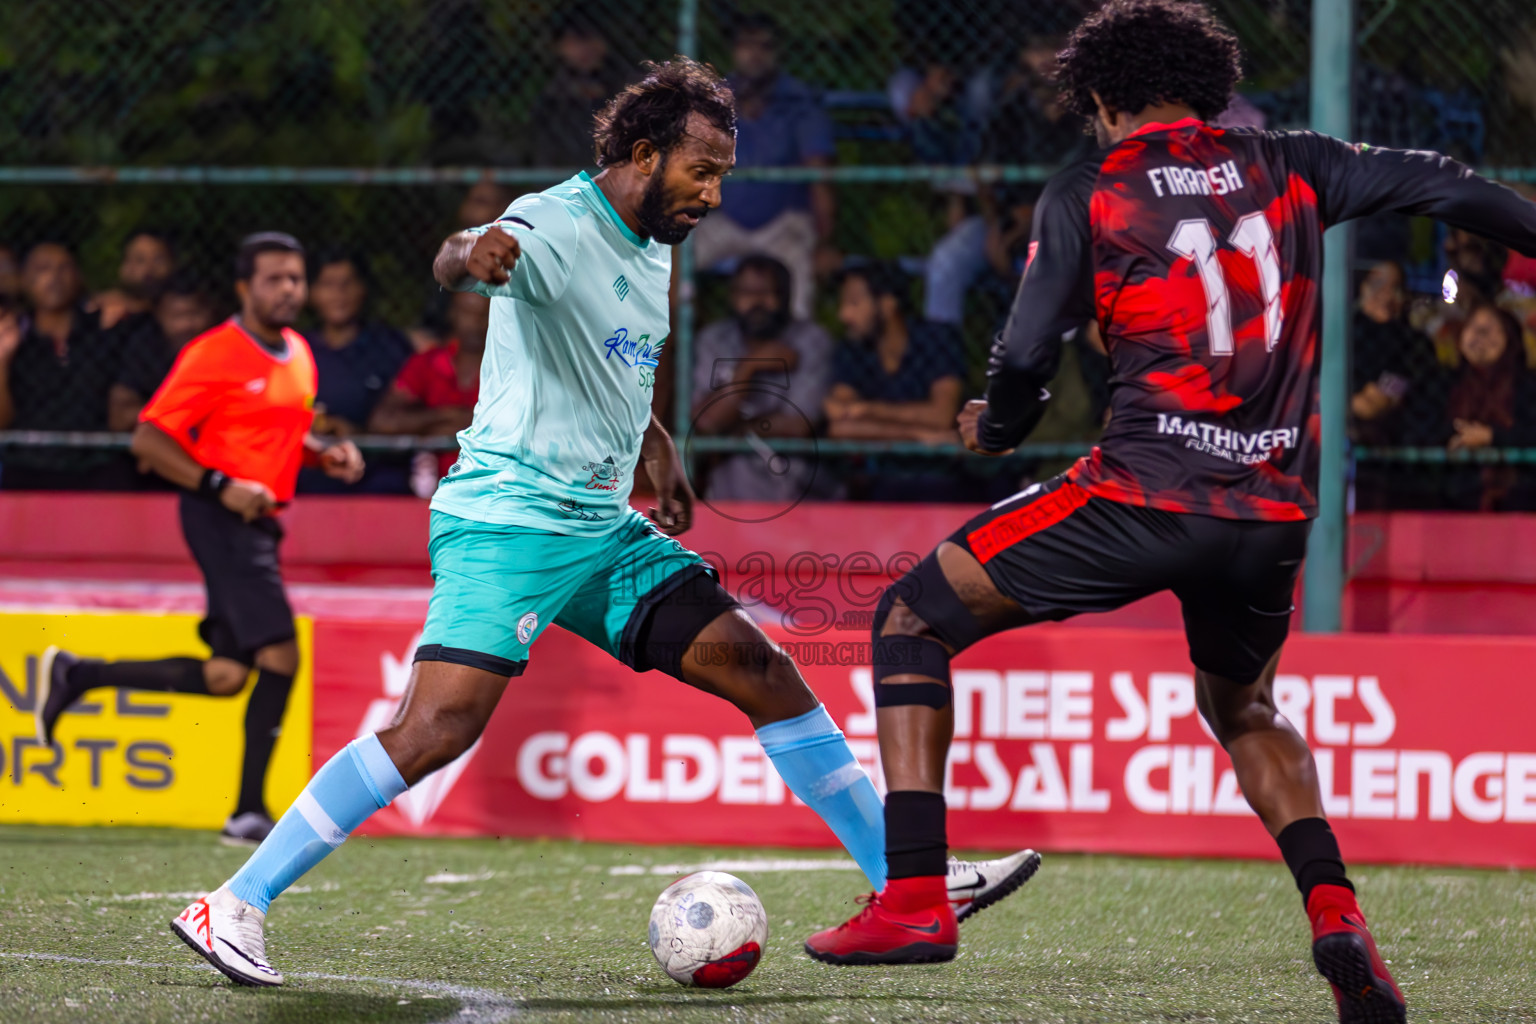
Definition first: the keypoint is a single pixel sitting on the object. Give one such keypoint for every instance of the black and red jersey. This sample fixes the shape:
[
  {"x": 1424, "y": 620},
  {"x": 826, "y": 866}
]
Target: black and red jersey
[{"x": 1199, "y": 251}]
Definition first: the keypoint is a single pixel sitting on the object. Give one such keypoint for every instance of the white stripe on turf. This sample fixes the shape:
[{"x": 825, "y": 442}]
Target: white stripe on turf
[
  {"x": 480, "y": 1004},
  {"x": 449, "y": 878},
  {"x": 134, "y": 897},
  {"x": 808, "y": 864}
]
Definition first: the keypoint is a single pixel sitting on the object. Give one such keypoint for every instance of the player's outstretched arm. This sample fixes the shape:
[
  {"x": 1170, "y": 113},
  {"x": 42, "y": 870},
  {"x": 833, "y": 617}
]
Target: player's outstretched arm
[
  {"x": 1357, "y": 180},
  {"x": 468, "y": 258},
  {"x": 1055, "y": 297}
]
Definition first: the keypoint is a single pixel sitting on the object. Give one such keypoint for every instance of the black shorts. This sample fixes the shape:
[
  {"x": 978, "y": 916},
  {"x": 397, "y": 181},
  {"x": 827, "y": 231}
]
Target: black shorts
[
  {"x": 1058, "y": 551},
  {"x": 247, "y": 608}
]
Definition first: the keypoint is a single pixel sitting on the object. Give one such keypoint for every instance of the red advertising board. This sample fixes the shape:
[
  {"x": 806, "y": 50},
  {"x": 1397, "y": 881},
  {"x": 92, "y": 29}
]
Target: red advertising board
[{"x": 1066, "y": 739}]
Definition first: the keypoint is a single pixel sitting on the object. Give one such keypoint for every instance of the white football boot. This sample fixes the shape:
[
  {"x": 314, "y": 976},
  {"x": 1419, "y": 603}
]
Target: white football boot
[
  {"x": 974, "y": 885},
  {"x": 227, "y": 932}
]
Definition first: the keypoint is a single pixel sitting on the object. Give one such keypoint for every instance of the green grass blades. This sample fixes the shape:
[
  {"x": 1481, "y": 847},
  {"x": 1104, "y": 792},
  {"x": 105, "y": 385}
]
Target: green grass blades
[{"x": 418, "y": 931}]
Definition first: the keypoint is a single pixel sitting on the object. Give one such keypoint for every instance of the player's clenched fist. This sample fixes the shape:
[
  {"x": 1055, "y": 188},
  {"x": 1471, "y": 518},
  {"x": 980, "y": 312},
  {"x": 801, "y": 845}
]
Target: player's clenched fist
[
  {"x": 493, "y": 257},
  {"x": 968, "y": 425}
]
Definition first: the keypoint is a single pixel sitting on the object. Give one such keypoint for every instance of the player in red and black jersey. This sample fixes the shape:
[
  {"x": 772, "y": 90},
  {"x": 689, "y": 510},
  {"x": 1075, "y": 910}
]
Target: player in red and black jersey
[{"x": 1198, "y": 252}]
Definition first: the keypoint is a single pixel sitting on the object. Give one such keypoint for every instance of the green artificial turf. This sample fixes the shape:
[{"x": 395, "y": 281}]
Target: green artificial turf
[{"x": 546, "y": 931}]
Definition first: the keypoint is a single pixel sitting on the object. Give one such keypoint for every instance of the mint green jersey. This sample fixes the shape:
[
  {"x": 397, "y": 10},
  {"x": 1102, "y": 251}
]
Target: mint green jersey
[{"x": 570, "y": 364}]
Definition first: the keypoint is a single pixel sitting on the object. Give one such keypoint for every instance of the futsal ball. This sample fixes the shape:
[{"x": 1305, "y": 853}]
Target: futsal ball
[{"x": 708, "y": 930}]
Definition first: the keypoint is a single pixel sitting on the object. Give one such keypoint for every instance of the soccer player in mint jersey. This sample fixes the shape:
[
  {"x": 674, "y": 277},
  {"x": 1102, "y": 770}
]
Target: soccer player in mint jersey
[
  {"x": 532, "y": 525},
  {"x": 1198, "y": 253}
]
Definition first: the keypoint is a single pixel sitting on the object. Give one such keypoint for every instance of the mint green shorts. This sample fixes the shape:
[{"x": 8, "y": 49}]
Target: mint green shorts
[{"x": 496, "y": 588}]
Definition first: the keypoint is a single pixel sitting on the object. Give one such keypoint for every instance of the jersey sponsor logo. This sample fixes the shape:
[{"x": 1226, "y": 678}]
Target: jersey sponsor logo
[
  {"x": 1173, "y": 180},
  {"x": 632, "y": 351},
  {"x": 621, "y": 287},
  {"x": 640, "y": 353},
  {"x": 1232, "y": 445},
  {"x": 256, "y": 385},
  {"x": 605, "y": 475},
  {"x": 525, "y": 627},
  {"x": 577, "y": 510}
]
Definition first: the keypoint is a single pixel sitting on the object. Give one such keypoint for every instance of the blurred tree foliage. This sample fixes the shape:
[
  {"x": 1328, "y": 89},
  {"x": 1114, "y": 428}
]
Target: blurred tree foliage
[{"x": 405, "y": 83}]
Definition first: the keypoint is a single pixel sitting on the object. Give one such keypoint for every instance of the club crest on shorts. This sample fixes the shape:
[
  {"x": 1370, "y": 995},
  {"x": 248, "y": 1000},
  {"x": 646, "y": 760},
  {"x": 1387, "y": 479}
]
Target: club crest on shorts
[{"x": 525, "y": 627}]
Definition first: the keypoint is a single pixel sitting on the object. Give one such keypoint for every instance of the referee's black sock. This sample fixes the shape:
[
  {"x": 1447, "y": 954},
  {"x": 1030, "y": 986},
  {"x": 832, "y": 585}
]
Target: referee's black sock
[
  {"x": 916, "y": 844},
  {"x": 263, "y": 722},
  {"x": 1312, "y": 854},
  {"x": 168, "y": 675}
]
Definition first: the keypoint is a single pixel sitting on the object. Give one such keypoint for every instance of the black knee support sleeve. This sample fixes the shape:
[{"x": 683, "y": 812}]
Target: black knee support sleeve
[
  {"x": 908, "y": 655},
  {"x": 666, "y": 622},
  {"x": 926, "y": 590}
]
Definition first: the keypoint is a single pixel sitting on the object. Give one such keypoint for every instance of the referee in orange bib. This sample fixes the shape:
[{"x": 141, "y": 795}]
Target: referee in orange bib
[{"x": 230, "y": 425}]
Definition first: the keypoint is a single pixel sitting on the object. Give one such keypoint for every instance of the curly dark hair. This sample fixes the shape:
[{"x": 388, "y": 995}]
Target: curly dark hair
[
  {"x": 1139, "y": 53},
  {"x": 656, "y": 108}
]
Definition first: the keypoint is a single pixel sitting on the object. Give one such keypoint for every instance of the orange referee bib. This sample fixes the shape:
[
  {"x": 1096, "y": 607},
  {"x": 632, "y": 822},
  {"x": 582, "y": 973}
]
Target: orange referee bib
[{"x": 237, "y": 407}]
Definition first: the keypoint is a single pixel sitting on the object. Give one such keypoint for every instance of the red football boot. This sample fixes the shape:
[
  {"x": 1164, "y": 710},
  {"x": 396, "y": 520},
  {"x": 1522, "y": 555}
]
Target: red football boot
[
  {"x": 911, "y": 922},
  {"x": 1346, "y": 955}
]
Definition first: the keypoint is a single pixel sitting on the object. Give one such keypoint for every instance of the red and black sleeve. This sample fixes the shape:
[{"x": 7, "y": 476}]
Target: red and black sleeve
[
  {"x": 1055, "y": 298},
  {"x": 1356, "y": 180}
]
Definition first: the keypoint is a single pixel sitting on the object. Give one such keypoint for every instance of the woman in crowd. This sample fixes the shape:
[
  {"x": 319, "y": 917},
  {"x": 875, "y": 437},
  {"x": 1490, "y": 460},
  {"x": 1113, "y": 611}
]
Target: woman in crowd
[{"x": 1490, "y": 402}]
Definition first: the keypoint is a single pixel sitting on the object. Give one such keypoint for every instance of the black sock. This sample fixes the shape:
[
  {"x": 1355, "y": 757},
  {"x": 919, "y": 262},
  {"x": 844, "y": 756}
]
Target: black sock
[
  {"x": 168, "y": 675},
  {"x": 263, "y": 721},
  {"x": 915, "y": 841},
  {"x": 1312, "y": 854}
]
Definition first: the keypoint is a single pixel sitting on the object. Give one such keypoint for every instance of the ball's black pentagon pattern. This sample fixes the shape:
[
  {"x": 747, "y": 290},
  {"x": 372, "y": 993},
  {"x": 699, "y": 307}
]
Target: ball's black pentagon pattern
[{"x": 701, "y": 915}]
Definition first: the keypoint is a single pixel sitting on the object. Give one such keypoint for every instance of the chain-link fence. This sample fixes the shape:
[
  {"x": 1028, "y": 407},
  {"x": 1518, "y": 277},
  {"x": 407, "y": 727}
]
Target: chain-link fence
[{"x": 906, "y": 132}]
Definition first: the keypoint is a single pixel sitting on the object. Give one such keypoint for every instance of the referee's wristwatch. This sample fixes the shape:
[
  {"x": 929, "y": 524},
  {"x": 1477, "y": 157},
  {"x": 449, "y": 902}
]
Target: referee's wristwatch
[{"x": 213, "y": 483}]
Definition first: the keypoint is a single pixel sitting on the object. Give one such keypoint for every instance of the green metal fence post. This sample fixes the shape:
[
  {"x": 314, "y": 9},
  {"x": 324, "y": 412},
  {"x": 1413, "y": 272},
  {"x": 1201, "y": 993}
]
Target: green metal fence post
[
  {"x": 682, "y": 329},
  {"x": 1333, "y": 23}
]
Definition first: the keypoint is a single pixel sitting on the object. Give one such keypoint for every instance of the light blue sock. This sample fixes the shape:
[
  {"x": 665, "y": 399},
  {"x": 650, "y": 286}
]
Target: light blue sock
[
  {"x": 353, "y": 784},
  {"x": 817, "y": 766}
]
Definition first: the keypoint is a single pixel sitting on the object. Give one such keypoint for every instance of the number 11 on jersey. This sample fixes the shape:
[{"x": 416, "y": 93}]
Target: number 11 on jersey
[{"x": 1195, "y": 241}]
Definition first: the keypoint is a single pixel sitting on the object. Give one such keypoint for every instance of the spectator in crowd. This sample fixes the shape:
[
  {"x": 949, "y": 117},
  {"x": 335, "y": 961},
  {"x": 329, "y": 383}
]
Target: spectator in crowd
[
  {"x": 149, "y": 259},
  {"x": 1490, "y": 402},
  {"x": 942, "y": 110},
  {"x": 435, "y": 392},
  {"x": 355, "y": 357},
  {"x": 763, "y": 373},
  {"x": 1028, "y": 125},
  {"x": 894, "y": 378},
  {"x": 149, "y": 345},
  {"x": 585, "y": 78},
  {"x": 1476, "y": 260},
  {"x": 1475, "y": 269},
  {"x": 355, "y": 360},
  {"x": 780, "y": 123},
  {"x": 486, "y": 200},
  {"x": 55, "y": 371},
  {"x": 10, "y": 278},
  {"x": 1391, "y": 359}
]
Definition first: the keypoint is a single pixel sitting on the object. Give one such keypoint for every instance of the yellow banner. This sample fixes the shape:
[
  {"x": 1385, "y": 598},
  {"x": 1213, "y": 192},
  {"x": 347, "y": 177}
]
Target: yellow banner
[{"x": 124, "y": 757}]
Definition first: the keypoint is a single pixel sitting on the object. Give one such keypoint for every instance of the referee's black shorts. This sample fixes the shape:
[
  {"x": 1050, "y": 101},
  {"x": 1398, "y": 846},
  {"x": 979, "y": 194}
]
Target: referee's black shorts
[
  {"x": 247, "y": 608},
  {"x": 1059, "y": 551}
]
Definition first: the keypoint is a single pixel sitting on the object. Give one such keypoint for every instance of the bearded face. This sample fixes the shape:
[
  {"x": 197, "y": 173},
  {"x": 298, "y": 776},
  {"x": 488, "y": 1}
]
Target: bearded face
[{"x": 668, "y": 211}]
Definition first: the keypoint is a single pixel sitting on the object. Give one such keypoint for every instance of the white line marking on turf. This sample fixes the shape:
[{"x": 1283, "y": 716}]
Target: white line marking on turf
[
  {"x": 133, "y": 897},
  {"x": 478, "y": 1003},
  {"x": 449, "y": 878},
  {"x": 819, "y": 864}
]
